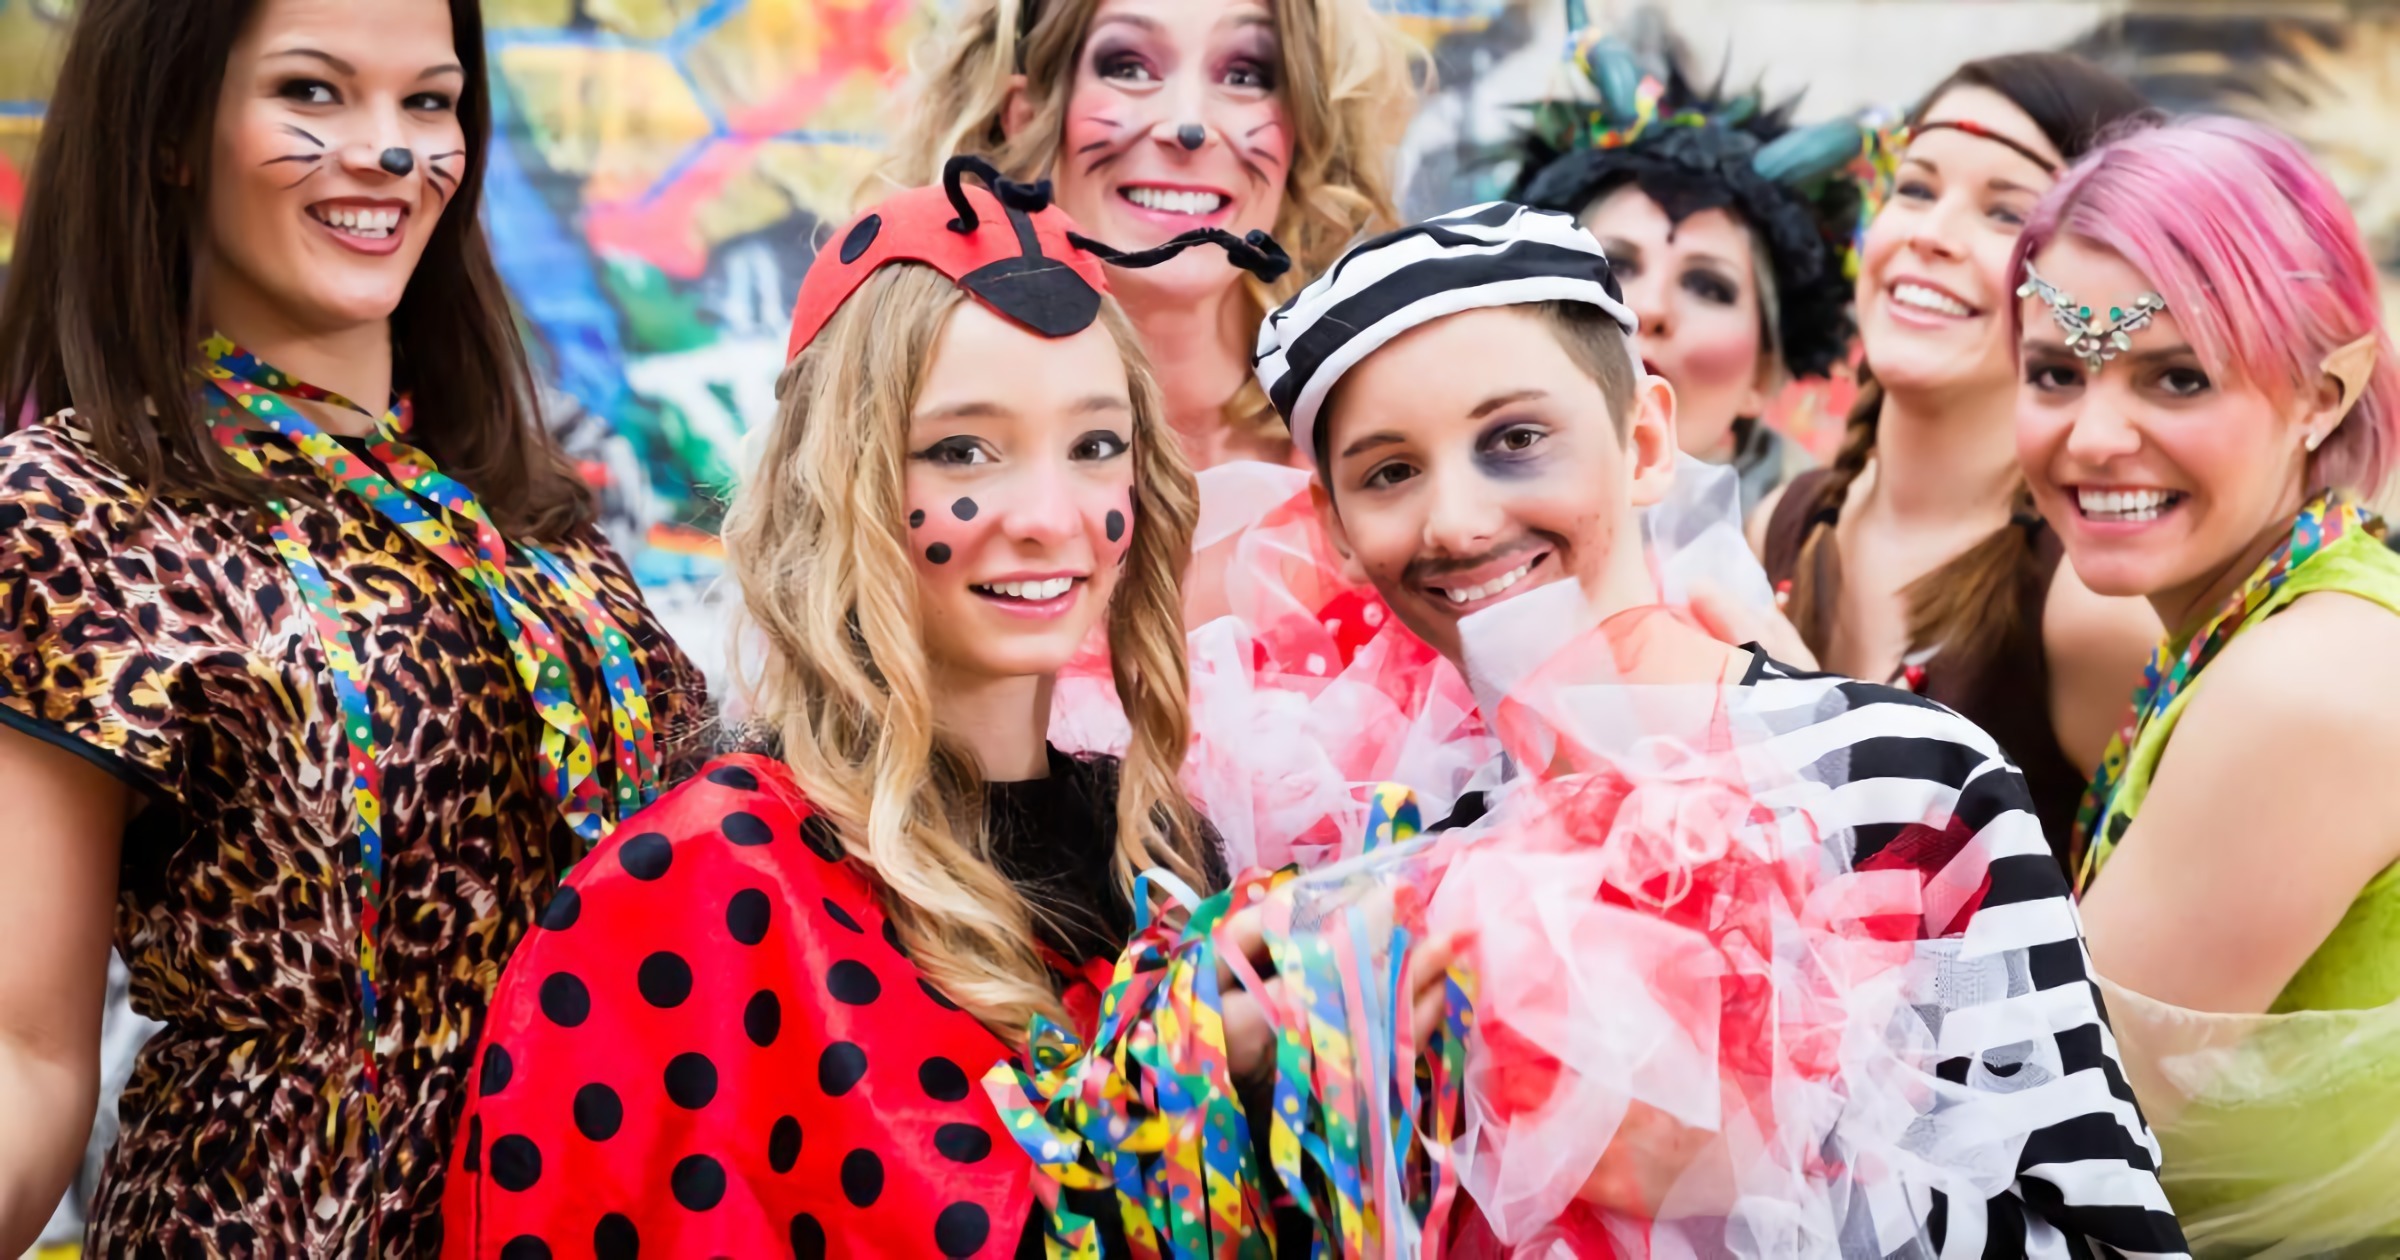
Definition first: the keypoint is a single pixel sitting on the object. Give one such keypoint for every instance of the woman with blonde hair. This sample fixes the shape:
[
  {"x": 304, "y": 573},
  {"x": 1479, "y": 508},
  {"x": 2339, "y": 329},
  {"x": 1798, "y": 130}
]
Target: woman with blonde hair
[
  {"x": 1155, "y": 117},
  {"x": 756, "y": 1018}
]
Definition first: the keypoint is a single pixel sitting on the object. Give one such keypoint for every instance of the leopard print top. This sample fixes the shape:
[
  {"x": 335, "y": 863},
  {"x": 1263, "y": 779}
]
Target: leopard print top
[{"x": 169, "y": 644}]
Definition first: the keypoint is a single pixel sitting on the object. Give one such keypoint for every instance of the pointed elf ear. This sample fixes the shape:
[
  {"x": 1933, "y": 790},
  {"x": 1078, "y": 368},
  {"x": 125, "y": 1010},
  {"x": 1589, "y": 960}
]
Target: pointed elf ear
[{"x": 2352, "y": 365}]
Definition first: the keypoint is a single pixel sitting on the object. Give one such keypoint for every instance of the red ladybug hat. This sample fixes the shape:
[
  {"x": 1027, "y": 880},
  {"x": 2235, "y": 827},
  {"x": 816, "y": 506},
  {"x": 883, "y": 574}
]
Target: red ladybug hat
[{"x": 1009, "y": 248}]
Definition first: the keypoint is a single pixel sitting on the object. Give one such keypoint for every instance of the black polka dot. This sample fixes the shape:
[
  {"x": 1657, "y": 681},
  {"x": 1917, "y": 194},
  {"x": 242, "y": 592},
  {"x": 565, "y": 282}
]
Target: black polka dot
[
  {"x": 763, "y": 1018},
  {"x": 665, "y": 980},
  {"x": 840, "y": 1067},
  {"x": 861, "y": 238},
  {"x": 691, "y": 1081},
  {"x": 496, "y": 1069},
  {"x": 698, "y": 1182},
  {"x": 942, "y": 1080},
  {"x": 747, "y": 914},
  {"x": 822, "y": 837},
  {"x": 783, "y": 1145},
  {"x": 474, "y": 1160},
  {"x": 615, "y": 1238},
  {"x": 525, "y": 1247},
  {"x": 565, "y": 1000},
  {"x": 808, "y": 1238},
  {"x": 646, "y": 856},
  {"x": 891, "y": 937},
  {"x": 566, "y": 906},
  {"x": 516, "y": 1162},
  {"x": 966, "y": 1143},
  {"x": 746, "y": 830},
  {"x": 936, "y": 994},
  {"x": 734, "y": 777},
  {"x": 916, "y": 518},
  {"x": 961, "y": 1229},
  {"x": 834, "y": 911},
  {"x": 964, "y": 509},
  {"x": 598, "y": 1112},
  {"x": 939, "y": 553},
  {"x": 1116, "y": 525},
  {"x": 851, "y": 984},
  {"x": 862, "y": 1178}
]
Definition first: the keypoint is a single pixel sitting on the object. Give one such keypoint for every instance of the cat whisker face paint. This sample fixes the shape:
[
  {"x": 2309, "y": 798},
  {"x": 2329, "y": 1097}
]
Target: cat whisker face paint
[
  {"x": 336, "y": 146},
  {"x": 1175, "y": 121}
]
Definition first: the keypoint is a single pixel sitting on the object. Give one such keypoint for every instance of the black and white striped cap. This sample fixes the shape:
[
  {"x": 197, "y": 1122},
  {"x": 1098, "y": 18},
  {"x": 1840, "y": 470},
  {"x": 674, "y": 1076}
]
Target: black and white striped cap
[{"x": 1496, "y": 254}]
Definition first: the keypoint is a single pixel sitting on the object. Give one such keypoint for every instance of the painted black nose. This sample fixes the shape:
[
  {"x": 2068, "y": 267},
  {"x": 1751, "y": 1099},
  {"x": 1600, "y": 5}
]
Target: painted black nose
[
  {"x": 397, "y": 161},
  {"x": 1191, "y": 135}
]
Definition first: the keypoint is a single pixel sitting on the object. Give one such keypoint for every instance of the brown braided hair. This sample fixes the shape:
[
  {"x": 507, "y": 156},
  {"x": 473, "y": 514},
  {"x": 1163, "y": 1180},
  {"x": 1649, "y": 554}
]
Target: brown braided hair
[{"x": 1973, "y": 602}]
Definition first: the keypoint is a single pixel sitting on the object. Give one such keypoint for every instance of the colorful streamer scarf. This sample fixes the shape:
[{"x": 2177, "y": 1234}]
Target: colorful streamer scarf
[
  {"x": 1149, "y": 1109},
  {"x": 2099, "y": 823},
  {"x": 248, "y": 401}
]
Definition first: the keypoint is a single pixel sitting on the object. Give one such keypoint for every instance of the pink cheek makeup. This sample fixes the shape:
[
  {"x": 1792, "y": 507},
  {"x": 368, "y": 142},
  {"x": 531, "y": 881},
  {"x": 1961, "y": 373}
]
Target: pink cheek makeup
[{"x": 935, "y": 547}]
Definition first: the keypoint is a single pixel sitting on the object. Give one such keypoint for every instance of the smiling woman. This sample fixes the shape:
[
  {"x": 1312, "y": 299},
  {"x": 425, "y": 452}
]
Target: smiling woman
[
  {"x": 1916, "y": 558},
  {"x": 314, "y": 674},
  {"x": 2208, "y": 388},
  {"x": 1153, "y": 117}
]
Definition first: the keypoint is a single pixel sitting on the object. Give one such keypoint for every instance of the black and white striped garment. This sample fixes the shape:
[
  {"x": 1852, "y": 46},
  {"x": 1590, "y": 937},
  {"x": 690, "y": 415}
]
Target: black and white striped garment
[
  {"x": 2022, "y": 1042},
  {"x": 1495, "y": 254}
]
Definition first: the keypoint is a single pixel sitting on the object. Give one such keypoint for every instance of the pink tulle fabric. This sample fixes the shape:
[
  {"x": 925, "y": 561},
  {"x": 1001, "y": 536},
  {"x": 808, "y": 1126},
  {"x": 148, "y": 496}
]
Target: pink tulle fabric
[
  {"x": 1305, "y": 691},
  {"x": 1682, "y": 991}
]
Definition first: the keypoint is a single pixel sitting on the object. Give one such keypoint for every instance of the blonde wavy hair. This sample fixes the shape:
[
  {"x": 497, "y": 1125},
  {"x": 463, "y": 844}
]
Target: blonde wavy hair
[
  {"x": 1349, "y": 83},
  {"x": 816, "y": 540}
]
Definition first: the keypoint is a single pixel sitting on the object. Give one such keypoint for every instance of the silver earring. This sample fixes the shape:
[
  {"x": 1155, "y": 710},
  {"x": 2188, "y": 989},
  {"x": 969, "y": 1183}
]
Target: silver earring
[{"x": 2315, "y": 440}]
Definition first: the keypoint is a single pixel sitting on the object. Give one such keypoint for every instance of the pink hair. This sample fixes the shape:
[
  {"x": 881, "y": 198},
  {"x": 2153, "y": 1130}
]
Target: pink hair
[{"x": 2258, "y": 258}]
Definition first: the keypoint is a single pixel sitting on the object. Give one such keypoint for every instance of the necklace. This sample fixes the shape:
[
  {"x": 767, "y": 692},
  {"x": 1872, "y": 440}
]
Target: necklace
[
  {"x": 2099, "y": 825},
  {"x": 249, "y": 401}
]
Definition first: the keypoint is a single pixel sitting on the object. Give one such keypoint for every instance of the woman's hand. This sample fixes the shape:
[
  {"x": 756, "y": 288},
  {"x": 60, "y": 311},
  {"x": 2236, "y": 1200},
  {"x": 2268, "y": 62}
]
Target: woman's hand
[{"x": 1249, "y": 1037}]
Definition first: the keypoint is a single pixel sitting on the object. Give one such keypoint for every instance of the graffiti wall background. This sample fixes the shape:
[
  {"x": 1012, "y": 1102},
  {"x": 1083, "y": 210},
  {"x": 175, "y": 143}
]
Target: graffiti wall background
[{"x": 665, "y": 166}]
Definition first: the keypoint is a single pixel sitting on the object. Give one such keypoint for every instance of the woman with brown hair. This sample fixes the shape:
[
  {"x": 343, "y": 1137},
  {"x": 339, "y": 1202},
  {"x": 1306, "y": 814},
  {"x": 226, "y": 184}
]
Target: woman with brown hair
[
  {"x": 1155, "y": 117},
  {"x": 307, "y": 703},
  {"x": 1917, "y": 557}
]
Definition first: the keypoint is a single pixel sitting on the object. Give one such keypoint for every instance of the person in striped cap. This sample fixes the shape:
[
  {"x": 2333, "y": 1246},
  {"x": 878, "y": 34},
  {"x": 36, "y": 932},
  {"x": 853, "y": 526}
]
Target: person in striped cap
[{"x": 1485, "y": 445}]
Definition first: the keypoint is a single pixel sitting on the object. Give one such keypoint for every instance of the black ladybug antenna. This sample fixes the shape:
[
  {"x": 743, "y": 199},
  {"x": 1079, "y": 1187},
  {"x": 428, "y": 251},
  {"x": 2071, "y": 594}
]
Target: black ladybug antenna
[
  {"x": 1031, "y": 198},
  {"x": 1257, "y": 253}
]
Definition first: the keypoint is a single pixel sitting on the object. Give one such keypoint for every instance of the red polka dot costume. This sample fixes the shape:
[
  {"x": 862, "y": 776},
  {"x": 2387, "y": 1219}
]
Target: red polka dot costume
[{"x": 714, "y": 1044}]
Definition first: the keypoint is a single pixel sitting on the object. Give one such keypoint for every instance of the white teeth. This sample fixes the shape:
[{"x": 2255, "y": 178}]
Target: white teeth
[
  {"x": 1469, "y": 595},
  {"x": 367, "y": 224},
  {"x": 2123, "y": 505},
  {"x": 1036, "y": 592},
  {"x": 1925, "y": 299},
  {"x": 1175, "y": 201}
]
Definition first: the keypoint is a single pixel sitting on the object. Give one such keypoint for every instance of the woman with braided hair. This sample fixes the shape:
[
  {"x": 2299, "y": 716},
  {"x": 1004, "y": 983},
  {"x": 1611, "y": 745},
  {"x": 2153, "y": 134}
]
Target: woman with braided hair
[{"x": 1917, "y": 556}]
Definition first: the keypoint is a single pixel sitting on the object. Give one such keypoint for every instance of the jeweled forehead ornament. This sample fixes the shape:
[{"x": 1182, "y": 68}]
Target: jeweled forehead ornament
[{"x": 2097, "y": 341}]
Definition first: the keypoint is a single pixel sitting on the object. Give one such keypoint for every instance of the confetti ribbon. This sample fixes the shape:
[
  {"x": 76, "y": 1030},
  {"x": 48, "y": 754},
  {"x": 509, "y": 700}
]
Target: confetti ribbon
[{"x": 1362, "y": 1121}]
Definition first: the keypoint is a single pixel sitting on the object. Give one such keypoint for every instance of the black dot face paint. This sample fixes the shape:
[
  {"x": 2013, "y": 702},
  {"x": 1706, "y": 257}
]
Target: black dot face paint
[
  {"x": 397, "y": 161},
  {"x": 1191, "y": 135},
  {"x": 939, "y": 553},
  {"x": 1116, "y": 525},
  {"x": 916, "y": 518},
  {"x": 964, "y": 509}
]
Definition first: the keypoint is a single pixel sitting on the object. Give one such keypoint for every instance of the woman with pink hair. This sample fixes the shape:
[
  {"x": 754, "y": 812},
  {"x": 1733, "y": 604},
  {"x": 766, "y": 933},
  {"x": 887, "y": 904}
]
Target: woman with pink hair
[{"x": 2207, "y": 393}]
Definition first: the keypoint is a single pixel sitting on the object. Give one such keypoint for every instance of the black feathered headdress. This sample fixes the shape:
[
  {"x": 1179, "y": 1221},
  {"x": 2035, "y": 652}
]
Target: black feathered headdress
[{"x": 1802, "y": 192}]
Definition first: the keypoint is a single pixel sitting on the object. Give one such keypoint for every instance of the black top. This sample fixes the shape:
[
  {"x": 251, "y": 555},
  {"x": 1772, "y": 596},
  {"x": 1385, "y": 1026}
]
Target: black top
[{"x": 1054, "y": 839}]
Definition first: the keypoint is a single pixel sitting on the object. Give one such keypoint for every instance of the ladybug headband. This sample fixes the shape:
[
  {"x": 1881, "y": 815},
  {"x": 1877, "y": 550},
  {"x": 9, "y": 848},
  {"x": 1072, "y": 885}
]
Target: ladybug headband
[{"x": 1009, "y": 248}]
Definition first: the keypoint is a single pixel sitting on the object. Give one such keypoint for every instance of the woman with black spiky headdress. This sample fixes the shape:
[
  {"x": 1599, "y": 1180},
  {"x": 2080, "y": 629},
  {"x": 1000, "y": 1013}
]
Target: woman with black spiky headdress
[{"x": 1729, "y": 229}]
